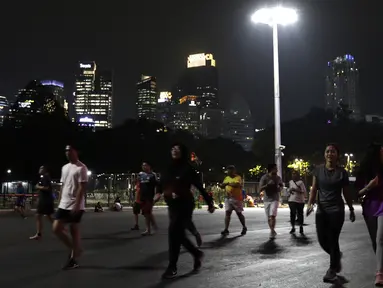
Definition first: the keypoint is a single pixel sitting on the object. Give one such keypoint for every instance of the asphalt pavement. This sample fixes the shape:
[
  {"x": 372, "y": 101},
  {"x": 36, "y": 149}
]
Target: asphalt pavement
[{"x": 116, "y": 256}]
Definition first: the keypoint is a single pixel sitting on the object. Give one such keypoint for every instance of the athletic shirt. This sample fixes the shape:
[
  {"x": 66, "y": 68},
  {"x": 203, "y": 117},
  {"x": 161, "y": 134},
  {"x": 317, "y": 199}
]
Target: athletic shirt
[
  {"x": 330, "y": 185},
  {"x": 46, "y": 195},
  {"x": 297, "y": 196},
  {"x": 72, "y": 175}
]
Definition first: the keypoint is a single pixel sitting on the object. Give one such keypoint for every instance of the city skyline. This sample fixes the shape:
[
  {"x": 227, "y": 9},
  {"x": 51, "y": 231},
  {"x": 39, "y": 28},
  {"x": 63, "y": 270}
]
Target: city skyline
[{"x": 324, "y": 32}]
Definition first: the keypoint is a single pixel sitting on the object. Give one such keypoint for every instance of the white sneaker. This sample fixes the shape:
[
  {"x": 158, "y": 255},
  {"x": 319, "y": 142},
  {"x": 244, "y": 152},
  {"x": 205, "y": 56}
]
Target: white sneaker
[{"x": 146, "y": 233}]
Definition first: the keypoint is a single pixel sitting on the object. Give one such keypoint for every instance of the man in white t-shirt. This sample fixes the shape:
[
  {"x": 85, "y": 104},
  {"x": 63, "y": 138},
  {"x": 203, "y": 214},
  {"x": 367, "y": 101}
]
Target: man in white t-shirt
[{"x": 74, "y": 179}]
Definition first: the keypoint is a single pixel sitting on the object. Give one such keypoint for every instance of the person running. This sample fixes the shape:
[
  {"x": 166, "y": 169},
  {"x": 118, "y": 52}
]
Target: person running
[
  {"x": 176, "y": 186},
  {"x": 74, "y": 180},
  {"x": 148, "y": 184},
  {"x": 136, "y": 207},
  {"x": 234, "y": 199},
  {"x": 329, "y": 181},
  {"x": 271, "y": 184},
  {"x": 20, "y": 200},
  {"x": 297, "y": 190},
  {"x": 45, "y": 205},
  {"x": 369, "y": 182}
]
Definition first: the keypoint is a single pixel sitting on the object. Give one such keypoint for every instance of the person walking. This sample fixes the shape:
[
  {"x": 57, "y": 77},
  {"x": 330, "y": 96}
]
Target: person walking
[
  {"x": 234, "y": 199},
  {"x": 297, "y": 191},
  {"x": 369, "y": 183},
  {"x": 175, "y": 184},
  {"x": 45, "y": 206},
  {"x": 74, "y": 179},
  {"x": 270, "y": 185},
  {"x": 329, "y": 181}
]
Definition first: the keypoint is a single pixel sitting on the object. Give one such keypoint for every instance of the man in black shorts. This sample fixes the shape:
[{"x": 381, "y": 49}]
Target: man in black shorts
[
  {"x": 74, "y": 180},
  {"x": 45, "y": 205}
]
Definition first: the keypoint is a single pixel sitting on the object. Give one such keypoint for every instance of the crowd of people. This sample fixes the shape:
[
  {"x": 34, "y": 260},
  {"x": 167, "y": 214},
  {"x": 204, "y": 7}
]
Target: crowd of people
[{"x": 330, "y": 182}]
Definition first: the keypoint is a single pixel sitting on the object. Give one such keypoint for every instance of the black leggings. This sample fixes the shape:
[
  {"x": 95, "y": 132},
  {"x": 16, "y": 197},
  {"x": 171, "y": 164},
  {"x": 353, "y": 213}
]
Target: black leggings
[
  {"x": 296, "y": 209},
  {"x": 180, "y": 214},
  {"x": 329, "y": 226}
]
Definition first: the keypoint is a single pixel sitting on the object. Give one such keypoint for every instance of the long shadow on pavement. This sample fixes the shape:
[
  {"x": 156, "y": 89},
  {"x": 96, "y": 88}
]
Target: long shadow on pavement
[
  {"x": 165, "y": 283},
  {"x": 154, "y": 262},
  {"x": 104, "y": 241},
  {"x": 269, "y": 249},
  {"x": 340, "y": 282},
  {"x": 220, "y": 242},
  {"x": 302, "y": 240}
]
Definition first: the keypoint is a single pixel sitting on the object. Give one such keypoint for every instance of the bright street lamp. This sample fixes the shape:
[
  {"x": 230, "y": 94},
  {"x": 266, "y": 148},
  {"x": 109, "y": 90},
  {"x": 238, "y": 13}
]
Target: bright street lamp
[
  {"x": 89, "y": 173},
  {"x": 9, "y": 171},
  {"x": 273, "y": 17}
]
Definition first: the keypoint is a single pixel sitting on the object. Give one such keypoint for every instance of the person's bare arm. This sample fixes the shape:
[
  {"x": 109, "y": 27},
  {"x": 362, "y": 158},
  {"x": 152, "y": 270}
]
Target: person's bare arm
[
  {"x": 313, "y": 192},
  {"x": 347, "y": 196}
]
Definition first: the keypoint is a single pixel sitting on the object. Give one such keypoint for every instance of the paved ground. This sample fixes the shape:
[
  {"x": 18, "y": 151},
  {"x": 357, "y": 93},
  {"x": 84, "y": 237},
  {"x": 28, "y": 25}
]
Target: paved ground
[{"x": 114, "y": 255}]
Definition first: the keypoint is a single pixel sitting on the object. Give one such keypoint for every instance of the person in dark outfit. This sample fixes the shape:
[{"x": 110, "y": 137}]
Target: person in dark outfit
[
  {"x": 45, "y": 205},
  {"x": 329, "y": 181},
  {"x": 176, "y": 186}
]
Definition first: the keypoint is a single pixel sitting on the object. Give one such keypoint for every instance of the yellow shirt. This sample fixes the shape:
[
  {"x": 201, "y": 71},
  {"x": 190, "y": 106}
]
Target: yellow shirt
[{"x": 232, "y": 192}]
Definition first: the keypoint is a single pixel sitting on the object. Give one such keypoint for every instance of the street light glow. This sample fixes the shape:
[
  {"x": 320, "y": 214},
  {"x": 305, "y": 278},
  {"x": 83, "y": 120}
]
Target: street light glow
[
  {"x": 89, "y": 173},
  {"x": 276, "y": 15},
  {"x": 9, "y": 171}
]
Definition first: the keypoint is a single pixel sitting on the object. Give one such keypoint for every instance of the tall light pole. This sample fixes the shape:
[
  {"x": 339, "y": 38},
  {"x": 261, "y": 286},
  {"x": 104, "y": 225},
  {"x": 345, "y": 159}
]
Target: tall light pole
[
  {"x": 274, "y": 17},
  {"x": 348, "y": 164}
]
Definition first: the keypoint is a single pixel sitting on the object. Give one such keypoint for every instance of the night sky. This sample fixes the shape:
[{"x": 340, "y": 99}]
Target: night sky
[{"x": 46, "y": 39}]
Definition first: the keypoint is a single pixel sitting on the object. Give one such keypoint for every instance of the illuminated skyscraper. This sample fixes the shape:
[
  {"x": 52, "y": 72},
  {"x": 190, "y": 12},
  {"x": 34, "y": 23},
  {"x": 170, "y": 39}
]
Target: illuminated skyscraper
[
  {"x": 342, "y": 87},
  {"x": 45, "y": 96},
  {"x": 4, "y": 109},
  {"x": 93, "y": 96},
  {"x": 200, "y": 80},
  {"x": 186, "y": 115},
  {"x": 57, "y": 89},
  {"x": 164, "y": 108},
  {"x": 147, "y": 98}
]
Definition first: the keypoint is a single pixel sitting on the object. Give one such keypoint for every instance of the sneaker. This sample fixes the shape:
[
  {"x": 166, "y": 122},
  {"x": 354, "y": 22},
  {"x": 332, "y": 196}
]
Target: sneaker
[
  {"x": 135, "y": 228},
  {"x": 35, "y": 237},
  {"x": 330, "y": 276},
  {"x": 198, "y": 239},
  {"x": 292, "y": 231},
  {"x": 71, "y": 264},
  {"x": 198, "y": 261},
  {"x": 273, "y": 234},
  {"x": 244, "y": 231},
  {"x": 146, "y": 233},
  {"x": 301, "y": 230},
  {"x": 379, "y": 279},
  {"x": 170, "y": 273},
  {"x": 225, "y": 232}
]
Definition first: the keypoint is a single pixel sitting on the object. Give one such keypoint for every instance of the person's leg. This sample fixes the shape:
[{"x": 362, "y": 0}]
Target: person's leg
[
  {"x": 174, "y": 241},
  {"x": 136, "y": 211},
  {"x": 336, "y": 225},
  {"x": 39, "y": 227},
  {"x": 379, "y": 245},
  {"x": 59, "y": 230},
  {"x": 372, "y": 227},
  {"x": 322, "y": 231},
  {"x": 300, "y": 208},
  {"x": 229, "y": 210},
  {"x": 76, "y": 240},
  {"x": 293, "y": 209}
]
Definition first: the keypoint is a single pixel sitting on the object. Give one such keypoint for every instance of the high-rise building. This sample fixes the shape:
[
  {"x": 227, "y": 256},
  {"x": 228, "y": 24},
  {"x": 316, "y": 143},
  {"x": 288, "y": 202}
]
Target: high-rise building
[
  {"x": 147, "y": 97},
  {"x": 342, "y": 87},
  {"x": 164, "y": 108},
  {"x": 186, "y": 115},
  {"x": 239, "y": 128},
  {"x": 200, "y": 80},
  {"x": 4, "y": 109},
  {"x": 37, "y": 97},
  {"x": 57, "y": 89},
  {"x": 93, "y": 96}
]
